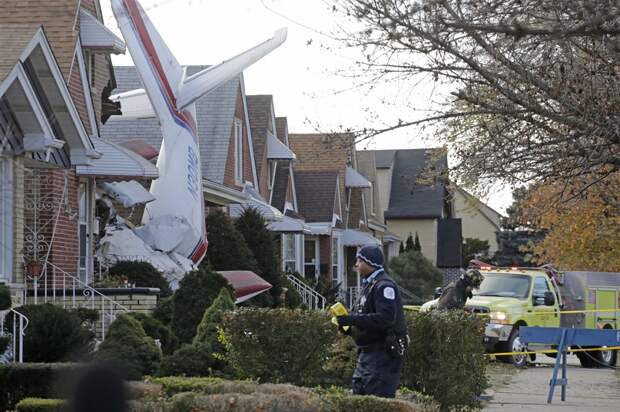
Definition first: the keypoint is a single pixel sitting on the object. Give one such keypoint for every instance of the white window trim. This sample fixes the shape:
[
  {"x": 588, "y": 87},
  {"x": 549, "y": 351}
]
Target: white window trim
[
  {"x": 339, "y": 260},
  {"x": 6, "y": 219},
  {"x": 238, "y": 137},
  {"x": 89, "y": 194},
  {"x": 284, "y": 257},
  {"x": 86, "y": 85},
  {"x": 317, "y": 257}
]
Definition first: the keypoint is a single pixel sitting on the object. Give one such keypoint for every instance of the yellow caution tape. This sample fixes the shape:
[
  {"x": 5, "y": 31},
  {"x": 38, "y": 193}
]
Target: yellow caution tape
[
  {"x": 565, "y": 312},
  {"x": 553, "y": 351}
]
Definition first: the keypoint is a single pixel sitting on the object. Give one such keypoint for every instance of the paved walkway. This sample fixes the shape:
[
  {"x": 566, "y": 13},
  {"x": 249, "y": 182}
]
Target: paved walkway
[{"x": 587, "y": 390}]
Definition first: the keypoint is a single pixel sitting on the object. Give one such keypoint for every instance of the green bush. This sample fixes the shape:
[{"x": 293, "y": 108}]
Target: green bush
[
  {"x": 347, "y": 402},
  {"x": 4, "y": 343},
  {"x": 5, "y": 297},
  {"x": 163, "y": 311},
  {"x": 207, "y": 332},
  {"x": 54, "y": 334},
  {"x": 227, "y": 247},
  {"x": 446, "y": 358},
  {"x": 340, "y": 362},
  {"x": 189, "y": 360},
  {"x": 273, "y": 345},
  {"x": 128, "y": 348},
  {"x": 42, "y": 380},
  {"x": 157, "y": 330},
  {"x": 412, "y": 271},
  {"x": 196, "y": 293},
  {"x": 260, "y": 241},
  {"x": 292, "y": 299},
  {"x": 41, "y": 405},
  {"x": 142, "y": 274}
]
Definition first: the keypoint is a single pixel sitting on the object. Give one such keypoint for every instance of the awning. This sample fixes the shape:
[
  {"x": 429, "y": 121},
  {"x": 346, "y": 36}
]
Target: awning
[
  {"x": 247, "y": 284},
  {"x": 321, "y": 228},
  {"x": 289, "y": 224},
  {"x": 276, "y": 150},
  {"x": 353, "y": 237},
  {"x": 129, "y": 193},
  {"x": 254, "y": 200},
  {"x": 389, "y": 237},
  {"x": 353, "y": 178},
  {"x": 220, "y": 194},
  {"x": 93, "y": 34},
  {"x": 117, "y": 161}
]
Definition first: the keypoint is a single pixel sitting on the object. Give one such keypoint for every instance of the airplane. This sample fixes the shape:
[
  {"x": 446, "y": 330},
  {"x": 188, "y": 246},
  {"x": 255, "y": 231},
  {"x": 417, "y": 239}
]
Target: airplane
[{"x": 171, "y": 95}]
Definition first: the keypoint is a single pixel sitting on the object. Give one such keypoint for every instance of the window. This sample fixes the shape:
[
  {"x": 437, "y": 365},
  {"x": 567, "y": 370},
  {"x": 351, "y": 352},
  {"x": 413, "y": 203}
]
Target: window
[
  {"x": 540, "y": 287},
  {"x": 238, "y": 152},
  {"x": 311, "y": 258},
  {"x": 85, "y": 257},
  {"x": 335, "y": 260},
  {"x": 6, "y": 219},
  {"x": 289, "y": 253}
]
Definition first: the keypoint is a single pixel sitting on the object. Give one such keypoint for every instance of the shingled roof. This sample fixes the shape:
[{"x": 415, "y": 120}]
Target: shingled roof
[
  {"x": 14, "y": 38},
  {"x": 384, "y": 158},
  {"x": 316, "y": 194},
  {"x": 259, "y": 113},
  {"x": 409, "y": 199},
  {"x": 282, "y": 129},
  {"x": 214, "y": 115}
]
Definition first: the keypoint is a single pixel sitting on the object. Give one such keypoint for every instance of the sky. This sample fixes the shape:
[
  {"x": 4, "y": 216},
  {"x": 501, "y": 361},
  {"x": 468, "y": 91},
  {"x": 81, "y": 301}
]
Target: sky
[{"x": 304, "y": 75}]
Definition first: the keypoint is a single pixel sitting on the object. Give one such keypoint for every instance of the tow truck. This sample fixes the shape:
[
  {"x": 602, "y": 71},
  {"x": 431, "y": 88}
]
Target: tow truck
[{"x": 512, "y": 297}]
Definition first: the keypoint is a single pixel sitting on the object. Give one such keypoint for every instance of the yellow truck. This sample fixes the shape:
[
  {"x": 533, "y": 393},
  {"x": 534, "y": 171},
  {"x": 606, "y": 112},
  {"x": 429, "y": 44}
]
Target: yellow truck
[{"x": 515, "y": 297}]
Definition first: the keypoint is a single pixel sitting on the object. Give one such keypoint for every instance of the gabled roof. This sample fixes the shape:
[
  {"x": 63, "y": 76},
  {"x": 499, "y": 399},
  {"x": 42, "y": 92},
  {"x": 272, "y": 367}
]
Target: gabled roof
[
  {"x": 276, "y": 150},
  {"x": 353, "y": 178},
  {"x": 93, "y": 34},
  {"x": 214, "y": 115},
  {"x": 316, "y": 194},
  {"x": 118, "y": 161},
  {"x": 384, "y": 158},
  {"x": 409, "y": 199},
  {"x": 15, "y": 38},
  {"x": 261, "y": 117},
  {"x": 493, "y": 216}
]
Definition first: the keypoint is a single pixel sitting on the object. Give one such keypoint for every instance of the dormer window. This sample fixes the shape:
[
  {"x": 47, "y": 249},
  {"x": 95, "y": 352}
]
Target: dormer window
[{"x": 238, "y": 133}]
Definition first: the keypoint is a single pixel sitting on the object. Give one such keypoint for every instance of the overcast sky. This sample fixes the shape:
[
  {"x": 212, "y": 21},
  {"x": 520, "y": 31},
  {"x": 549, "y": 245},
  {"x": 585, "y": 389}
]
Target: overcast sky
[{"x": 301, "y": 74}]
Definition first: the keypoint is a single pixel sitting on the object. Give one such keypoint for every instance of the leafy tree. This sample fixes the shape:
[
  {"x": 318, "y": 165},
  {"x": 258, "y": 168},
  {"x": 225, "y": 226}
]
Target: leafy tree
[
  {"x": 142, "y": 274},
  {"x": 414, "y": 272},
  {"x": 157, "y": 330},
  {"x": 473, "y": 247},
  {"x": 401, "y": 248},
  {"x": 409, "y": 244},
  {"x": 197, "y": 291},
  {"x": 534, "y": 84},
  {"x": 416, "y": 244},
  {"x": 207, "y": 331},
  {"x": 261, "y": 243},
  {"x": 227, "y": 247}
]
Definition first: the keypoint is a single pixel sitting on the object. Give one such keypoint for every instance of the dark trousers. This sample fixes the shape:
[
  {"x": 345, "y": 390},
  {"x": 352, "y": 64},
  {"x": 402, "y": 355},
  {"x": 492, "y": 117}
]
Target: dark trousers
[{"x": 377, "y": 373}]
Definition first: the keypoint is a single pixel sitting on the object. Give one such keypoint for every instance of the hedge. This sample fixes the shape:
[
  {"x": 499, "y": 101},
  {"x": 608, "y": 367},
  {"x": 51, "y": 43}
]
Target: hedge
[
  {"x": 278, "y": 345},
  {"x": 189, "y": 360},
  {"x": 141, "y": 274},
  {"x": 43, "y": 380},
  {"x": 41, "y": 405},
  {"x": 5, "y": 297}
]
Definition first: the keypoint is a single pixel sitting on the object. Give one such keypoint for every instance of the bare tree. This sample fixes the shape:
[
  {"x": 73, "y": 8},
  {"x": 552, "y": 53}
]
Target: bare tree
[{"x": 536, "y": 83}]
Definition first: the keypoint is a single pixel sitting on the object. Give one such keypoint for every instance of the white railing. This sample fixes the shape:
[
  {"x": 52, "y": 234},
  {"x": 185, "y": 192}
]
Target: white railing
[
  {"x": 352, "y": 295},
  {"x": 56, "y": 286},
  {"x": 310, "y": 297},
  {"x": 17, "y": 338}
]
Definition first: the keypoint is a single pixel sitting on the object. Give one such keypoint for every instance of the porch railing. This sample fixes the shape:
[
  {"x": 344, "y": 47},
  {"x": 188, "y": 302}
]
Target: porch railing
[
  {"x": 56, "y": 286},
  {"x": 409, "y": 297},
  {"x": 17, "y": 338},
  {"x": 310, "y": 297},
  {"x": 352, "y": 295}
]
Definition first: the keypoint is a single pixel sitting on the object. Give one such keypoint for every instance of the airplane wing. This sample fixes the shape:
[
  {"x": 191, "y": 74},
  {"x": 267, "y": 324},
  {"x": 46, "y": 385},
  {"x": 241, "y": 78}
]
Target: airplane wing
[
  {"x": 211, "y": 78},
  {"x": 134, "y": 104}
]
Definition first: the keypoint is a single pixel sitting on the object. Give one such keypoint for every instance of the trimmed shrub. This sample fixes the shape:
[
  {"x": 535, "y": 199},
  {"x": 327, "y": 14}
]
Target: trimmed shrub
[
  {"x": 207, "y": 332},
  {"x": 346, "y": 402},
  {"x": 414, "y": 272},
  {"x": 446, "y": 359},
  {"x": 157, "y": 330},
  {"x": 340, "y": 362},
  {"x": 142, "y": 274},
  {"x": 196, "y": 293},
  {"x": 189, "y": 360},
  {"x": 163, "y": 311},
  {"x": 292, "y": 299},
  {"x": 227, "y": 247},
  {"x": 54, "y": 334},
  {"x": 5, "y": 297},
  {"x": 128, "y": 348},
  {"x": 43, "y": 380},
  {"x": 273, "y": 345},
  {"x": 41, "y": 405},
  {"x": 260, "y": 241}
]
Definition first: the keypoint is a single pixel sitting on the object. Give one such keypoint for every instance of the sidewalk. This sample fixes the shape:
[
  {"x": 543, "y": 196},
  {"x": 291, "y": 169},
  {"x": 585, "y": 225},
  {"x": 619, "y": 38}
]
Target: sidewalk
[{"x": 587, "y": 390}]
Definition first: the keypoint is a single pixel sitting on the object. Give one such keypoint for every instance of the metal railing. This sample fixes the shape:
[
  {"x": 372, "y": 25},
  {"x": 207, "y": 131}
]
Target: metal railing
[
  {"x": 56, "y": 286},
  {"x": 352, "y": 295},
  {"x": 17, "y": 338},
  {"x": 310, "y": 297}
]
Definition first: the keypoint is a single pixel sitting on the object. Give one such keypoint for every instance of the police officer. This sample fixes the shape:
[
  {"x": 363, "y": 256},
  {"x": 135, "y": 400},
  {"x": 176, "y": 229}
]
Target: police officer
[
  {"x": 456, "y": 293},
  {"x": 378, "y": 328}
]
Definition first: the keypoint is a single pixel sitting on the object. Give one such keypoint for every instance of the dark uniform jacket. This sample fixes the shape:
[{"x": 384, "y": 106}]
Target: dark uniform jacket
[
  {"x": 379, "y": 313},
  {"x": 454, "y": 296}
]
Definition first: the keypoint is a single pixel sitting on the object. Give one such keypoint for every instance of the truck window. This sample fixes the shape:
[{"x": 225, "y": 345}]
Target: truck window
[
  {"x": 504, "y": 285},
  {"x": 540, "y": 287}
]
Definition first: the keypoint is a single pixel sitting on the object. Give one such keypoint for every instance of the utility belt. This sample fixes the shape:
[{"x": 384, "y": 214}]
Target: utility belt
[{"x": 394, "y": 345}]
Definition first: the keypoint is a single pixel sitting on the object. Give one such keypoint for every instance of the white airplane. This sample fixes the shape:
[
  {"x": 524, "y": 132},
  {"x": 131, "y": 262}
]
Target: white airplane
[{"x": 170, "y": 94}]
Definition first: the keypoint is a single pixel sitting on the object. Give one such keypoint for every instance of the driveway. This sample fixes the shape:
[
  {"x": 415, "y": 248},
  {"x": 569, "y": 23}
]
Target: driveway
[{"x": 587, "y": 389}]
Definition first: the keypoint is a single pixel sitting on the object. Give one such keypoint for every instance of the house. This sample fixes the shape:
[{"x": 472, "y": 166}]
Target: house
[
  {"x": 322, "y": 161},
  {"x": 413, "y": 192},
  {"x": 478, "y": 219}
]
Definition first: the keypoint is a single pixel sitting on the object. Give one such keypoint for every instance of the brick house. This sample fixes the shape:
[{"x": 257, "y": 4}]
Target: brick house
[{"x": 56, "y": 78}]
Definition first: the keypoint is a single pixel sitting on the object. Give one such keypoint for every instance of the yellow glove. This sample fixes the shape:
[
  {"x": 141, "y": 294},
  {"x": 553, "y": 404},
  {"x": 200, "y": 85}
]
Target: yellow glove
[{"x": 338, "y": 309}]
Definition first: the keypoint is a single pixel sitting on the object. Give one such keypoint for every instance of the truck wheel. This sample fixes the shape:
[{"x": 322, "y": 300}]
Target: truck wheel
[
  {"x": 607, "y": 358},
  {"x": 513, "y": 344},
  {"x": 585, "y": 360}
]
